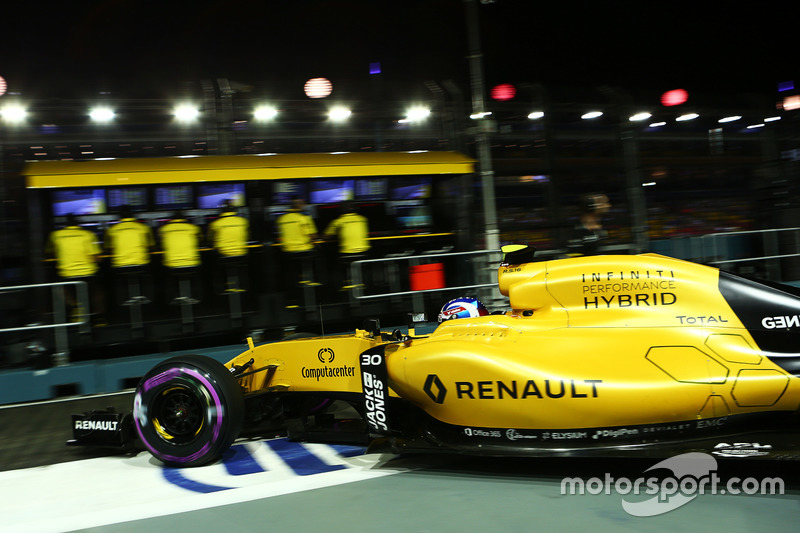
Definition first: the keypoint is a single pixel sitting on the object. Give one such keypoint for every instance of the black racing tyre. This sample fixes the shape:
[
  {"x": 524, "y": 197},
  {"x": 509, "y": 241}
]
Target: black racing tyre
[{"x": 187, "y": 410}]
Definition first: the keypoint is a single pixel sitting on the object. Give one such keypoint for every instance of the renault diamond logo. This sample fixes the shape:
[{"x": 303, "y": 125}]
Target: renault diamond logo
[{"x": 435, "y": 388}]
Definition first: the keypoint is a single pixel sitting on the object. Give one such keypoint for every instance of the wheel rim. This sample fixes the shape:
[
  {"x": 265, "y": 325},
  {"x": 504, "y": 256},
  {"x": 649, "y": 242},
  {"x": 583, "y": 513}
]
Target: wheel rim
[{"x": 178, "y": 415}]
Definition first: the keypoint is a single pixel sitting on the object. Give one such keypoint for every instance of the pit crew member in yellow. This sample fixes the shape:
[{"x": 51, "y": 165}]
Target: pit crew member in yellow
[
  {"x": 352, "y": 229},
  {"x": 180, "y": 240},
  {"x": 129, "y": 240},
  {"x": 229, "y": 232},
  {"x": 75, "y": 249},
  {"x": 296, "y": 230}
]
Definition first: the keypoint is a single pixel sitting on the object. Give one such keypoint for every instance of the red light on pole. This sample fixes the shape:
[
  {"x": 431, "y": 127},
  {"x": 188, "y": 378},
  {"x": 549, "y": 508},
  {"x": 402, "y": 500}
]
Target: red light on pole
[
  {"x": 503, "y": 92},
  {"x": 674, "y": 97}
]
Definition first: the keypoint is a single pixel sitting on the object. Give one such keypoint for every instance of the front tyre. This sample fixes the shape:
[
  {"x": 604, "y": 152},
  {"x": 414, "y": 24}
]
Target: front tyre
[{"x": 188, "y": 410}]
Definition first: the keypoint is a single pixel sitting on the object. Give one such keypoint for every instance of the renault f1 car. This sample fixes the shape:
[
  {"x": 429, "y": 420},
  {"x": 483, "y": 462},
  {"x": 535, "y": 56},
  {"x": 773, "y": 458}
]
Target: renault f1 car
[{"x": 605, "y": 354}]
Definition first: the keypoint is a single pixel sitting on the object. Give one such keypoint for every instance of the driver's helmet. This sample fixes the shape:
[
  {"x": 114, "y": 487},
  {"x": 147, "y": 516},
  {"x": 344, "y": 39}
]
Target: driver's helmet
[{"x": 464, "y": 307}]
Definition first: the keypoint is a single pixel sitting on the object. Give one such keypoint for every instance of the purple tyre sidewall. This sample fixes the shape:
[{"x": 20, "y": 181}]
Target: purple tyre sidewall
[{"x": 192, "y": 378}]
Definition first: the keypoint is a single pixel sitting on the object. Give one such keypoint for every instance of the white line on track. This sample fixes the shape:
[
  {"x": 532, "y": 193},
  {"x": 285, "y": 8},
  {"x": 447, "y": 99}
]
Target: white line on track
[{"x": 109, "y": 490}]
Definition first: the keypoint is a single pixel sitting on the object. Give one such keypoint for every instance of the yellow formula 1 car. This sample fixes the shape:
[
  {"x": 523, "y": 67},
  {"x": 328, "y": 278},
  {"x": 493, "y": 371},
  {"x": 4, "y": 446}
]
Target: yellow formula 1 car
[{"x": 606, "y": 354}]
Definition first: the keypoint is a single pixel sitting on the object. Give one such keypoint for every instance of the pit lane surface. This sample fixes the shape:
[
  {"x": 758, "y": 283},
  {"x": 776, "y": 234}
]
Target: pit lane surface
[{"x": 277, "y": 484}]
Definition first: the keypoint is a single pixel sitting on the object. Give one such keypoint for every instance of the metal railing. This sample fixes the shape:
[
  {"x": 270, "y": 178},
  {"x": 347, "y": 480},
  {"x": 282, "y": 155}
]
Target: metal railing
[
  {"x": 773, "y": 254},
  {"x": 60, "y": 319},
  {"x": 417, "y": 260},
  {"x": 479, "y": 266}
]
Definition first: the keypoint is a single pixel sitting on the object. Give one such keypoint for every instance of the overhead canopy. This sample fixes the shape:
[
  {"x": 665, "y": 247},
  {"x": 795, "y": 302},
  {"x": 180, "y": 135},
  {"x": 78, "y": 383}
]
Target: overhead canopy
[{"x": 144, "y": 171}]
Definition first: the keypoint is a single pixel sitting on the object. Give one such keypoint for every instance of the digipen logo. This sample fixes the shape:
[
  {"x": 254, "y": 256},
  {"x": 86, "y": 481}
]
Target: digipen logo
[
  {"x": 432, "y": 382},
  {"x": 325, "y": 355}
]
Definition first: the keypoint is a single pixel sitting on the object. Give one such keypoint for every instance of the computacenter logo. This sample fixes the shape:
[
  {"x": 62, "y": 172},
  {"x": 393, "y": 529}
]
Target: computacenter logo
[{"x": 692, "y": 474}]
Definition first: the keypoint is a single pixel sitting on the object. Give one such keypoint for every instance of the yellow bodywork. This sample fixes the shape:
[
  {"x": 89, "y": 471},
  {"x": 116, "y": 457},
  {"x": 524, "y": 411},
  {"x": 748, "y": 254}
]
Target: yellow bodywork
[{"x": 589, "y": 343}]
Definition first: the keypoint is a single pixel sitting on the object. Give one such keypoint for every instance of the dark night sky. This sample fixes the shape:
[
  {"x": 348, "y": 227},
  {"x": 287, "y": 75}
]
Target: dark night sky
[{"x": 60, "y": 48}]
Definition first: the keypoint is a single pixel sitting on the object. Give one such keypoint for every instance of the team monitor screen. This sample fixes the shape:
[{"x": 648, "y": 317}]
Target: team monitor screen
[
  {"x": 371, "y": 189},
  {"x": 284, "y": 191},
  {"x": 214, "y": 195},
  {"x": 174, "y": 197},
  {"x": 332, "y": 191},
  {"x": 412, "y": 188},
  {"x": 414, "y": 217},
  {"x": 134, "y": 197},
  {"x": 79, "y": 202}
]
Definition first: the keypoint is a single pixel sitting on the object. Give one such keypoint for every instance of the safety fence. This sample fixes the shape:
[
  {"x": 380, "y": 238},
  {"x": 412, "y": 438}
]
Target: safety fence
[
  {"x": 418, "y": 282},
  {"x": 413, "y": 275},
  {"x": 771, "y": 254},
  {"x": 59, "y": 311},
  {"x": 400, "y": 276}
]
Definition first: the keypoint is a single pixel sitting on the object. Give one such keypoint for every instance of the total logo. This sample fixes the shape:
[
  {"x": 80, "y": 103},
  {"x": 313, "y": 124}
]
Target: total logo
[{"x": 326, "y": 355}]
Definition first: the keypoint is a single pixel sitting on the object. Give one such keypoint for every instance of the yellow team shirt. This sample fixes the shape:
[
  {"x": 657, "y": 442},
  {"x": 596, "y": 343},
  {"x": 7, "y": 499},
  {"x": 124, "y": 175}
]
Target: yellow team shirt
[
  {"x": 180, "y": 240},
  {"x": 353, "y": 230},
  {"x": 129, "y": 241},
  {"x": 228, "y": 234},
  {"x": 76, "y": 251},
  {"x": 295, "y": 230}
]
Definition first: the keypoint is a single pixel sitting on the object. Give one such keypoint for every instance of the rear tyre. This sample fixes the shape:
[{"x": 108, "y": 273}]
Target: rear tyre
[{"x": 187, "y": 410}]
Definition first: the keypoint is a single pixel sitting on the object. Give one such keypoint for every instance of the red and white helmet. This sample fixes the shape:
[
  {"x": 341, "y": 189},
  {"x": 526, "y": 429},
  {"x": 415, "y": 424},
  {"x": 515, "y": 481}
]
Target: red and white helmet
[{"x": 464, "y": 307}]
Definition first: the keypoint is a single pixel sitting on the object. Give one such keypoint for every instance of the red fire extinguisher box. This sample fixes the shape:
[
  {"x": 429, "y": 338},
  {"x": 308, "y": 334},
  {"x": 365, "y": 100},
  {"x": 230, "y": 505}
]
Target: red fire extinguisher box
[{"x": 424, "y": 277}]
